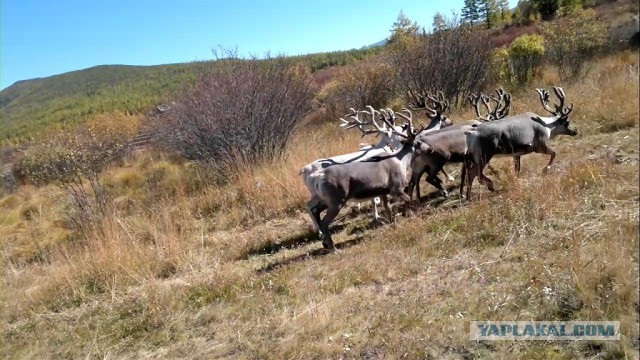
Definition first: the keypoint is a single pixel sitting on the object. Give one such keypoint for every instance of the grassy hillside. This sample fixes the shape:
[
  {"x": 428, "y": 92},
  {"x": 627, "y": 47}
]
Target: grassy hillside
[
  {"x": 186, "y": 269},
  {"x": 29, "y": 108}
]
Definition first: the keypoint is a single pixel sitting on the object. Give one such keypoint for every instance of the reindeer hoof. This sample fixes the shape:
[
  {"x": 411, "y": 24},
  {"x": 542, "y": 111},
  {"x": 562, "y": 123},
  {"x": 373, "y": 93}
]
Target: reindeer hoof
[
  {"x": 451, "y": 178},
  {"x": 328, "y": 244},
  {"x": 545, "y": 170}
]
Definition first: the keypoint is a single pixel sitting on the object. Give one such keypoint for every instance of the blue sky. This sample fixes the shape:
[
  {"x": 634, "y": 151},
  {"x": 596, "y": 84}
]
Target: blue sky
[{"x": 44, "y": 38}]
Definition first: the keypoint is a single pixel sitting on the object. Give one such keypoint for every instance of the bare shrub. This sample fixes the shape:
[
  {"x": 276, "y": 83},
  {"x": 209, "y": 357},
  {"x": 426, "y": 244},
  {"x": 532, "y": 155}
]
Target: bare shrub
[
  {"x": 74, "y": 159},
  {"x": 456, "y": 61},
  {"x": 238, "y": 114},
  {"x": 574, "y": 40},
  {"x": 367, "y": 83}
]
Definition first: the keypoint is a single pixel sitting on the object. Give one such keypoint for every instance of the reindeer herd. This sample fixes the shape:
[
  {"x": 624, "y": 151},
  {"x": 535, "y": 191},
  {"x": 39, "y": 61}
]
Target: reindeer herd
[{"x": 395, "y": 165}]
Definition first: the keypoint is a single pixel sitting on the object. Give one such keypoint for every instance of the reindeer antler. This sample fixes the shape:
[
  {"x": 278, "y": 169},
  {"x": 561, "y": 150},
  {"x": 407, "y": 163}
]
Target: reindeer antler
[
  {"x": 419, "y": 102},
  {"x": 361, "y": 124},
  {"x": 503, "y": 104},
  {"x": 475, "y": 100},
  {"x": 440, "y": 103},
  {"x": 561, "y": 109}
]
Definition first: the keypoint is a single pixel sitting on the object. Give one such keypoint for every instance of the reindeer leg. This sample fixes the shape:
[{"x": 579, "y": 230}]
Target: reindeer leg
[
  {"x": 315, "y": 206},
  {"x": 446, "y": 174},
  {"x": 374, "y": 202},
  {"x": 484, "y": 162},
  {"x": 417, "y": 185},
  {"x": 473, "y": 169},
  {"x": 332, "y": 211},
  {"x": 549, "y": 151},
  {"x": 414, "y": 184},
  {"x": 437, "y": 183},
  {"x": 385, "y": 203},
  {"x": 516, "y": 164},
  {"x": 463, "y": 174}
]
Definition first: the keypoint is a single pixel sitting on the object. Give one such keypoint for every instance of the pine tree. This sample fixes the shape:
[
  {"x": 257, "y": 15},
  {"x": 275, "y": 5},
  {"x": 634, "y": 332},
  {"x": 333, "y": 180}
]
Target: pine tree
[
  {"x": 488, "y": 12},
  {"x": 439, "y": 22},
  {"x": 470, "y": 11}
]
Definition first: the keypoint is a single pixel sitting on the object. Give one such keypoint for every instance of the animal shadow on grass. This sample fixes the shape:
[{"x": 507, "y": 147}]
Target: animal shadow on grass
[
  {"x": 435, "y": 199},
  {"x": 303, "y": 237},
  {"x": 291, "y": 241},
  {"x": 313, "y": 253}
]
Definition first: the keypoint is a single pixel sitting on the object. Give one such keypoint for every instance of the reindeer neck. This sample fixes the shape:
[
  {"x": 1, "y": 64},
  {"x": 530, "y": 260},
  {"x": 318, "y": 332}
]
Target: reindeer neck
[
  {"x": 405, "y": 154},
  {"x": 433, "y": 125}
]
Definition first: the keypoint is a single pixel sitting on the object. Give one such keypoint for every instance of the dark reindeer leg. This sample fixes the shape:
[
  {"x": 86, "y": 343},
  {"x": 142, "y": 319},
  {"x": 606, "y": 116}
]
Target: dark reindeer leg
[
  {"x": 463, "y": 175},
  {"x": 472, "y": 169},
  {"x": 315, "y": 206},
  {"x": 433, "y": 179},
  {"x": 332, "y": 211},
  {"x": 385, "y": 203}
]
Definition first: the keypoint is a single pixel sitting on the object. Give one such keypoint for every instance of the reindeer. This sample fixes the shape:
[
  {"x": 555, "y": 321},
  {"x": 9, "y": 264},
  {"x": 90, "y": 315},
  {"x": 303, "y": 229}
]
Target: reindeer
[
  {"x": 516, "y": 136},
  {"x": 389, "y": 138},
  {"x": 377, "y": 176},
  {"x": 501, "y": 111},
  {"x": 449, "y": 145}
]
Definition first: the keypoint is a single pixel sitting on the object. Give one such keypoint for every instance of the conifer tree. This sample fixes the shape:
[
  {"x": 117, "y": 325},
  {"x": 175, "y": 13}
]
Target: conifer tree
[{"x": 470, "y": 11}]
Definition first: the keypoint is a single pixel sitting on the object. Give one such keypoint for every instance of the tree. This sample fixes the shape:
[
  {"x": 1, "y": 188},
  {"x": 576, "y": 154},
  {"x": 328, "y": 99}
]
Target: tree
[
  {"x": 505, "y": 12},
  {"x": 403, "y": 27},
  {"x": 439, "y": 22},
  {"x": 489, "y": 12},
  {"x": 456, "y": 62},
  {"x": 518, "y": 18},
  {"x": 470, "y": 12},
  {"x": 547, "y": 8},
  {"x": 574, "y": 40}
]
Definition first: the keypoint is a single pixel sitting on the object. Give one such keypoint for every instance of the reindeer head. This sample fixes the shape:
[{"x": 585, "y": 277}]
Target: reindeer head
[
  {"x": 434, "y": 112},
  {"x": 561, "y": 124}
]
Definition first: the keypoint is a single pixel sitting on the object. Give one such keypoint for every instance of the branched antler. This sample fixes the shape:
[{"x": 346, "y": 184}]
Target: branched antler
[
  {"x": 560, "y": 109},
  {"x": 501, "y": 110},
  {"x": 503, "y": 104},
  {"x": 355, "y": 122},
  {"x": 421, "y": 102}
]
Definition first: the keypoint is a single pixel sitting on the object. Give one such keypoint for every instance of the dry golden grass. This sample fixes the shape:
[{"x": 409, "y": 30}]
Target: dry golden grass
[{"x": 185, "y": 269}]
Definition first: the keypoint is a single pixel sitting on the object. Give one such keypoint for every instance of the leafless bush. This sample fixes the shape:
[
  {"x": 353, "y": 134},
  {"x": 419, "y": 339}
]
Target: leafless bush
[
  {"x": 75, "y": 161},
  {"x": 456, "y": 61},
  {"x": 574, "y": 40},
  {"x": 239, "y": 113},
  {"x": 367, "y": 83}
]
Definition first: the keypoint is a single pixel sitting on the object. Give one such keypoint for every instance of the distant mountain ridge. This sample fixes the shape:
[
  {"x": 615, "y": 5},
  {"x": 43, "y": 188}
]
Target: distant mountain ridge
[
  {"x": 28, "y": 108},
  {"x": 382, "y": 42}
]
